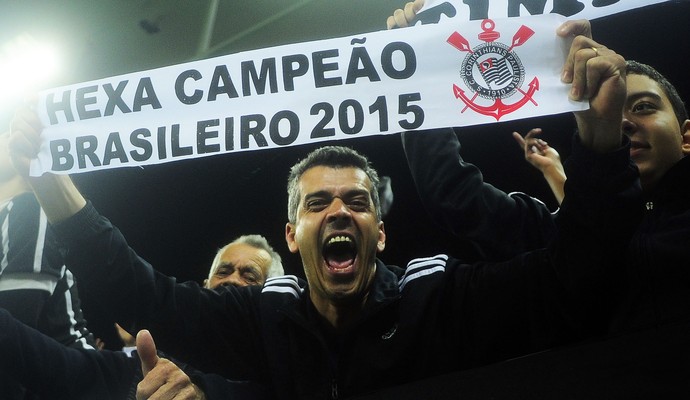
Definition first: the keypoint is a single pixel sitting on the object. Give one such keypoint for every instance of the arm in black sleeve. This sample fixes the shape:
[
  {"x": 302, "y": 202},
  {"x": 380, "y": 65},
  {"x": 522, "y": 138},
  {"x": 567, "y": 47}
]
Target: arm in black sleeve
[
  {"x": 566, "y": 291},
  {"x": 215, "y": 331},
  {"x": 54, "y": 371},
  {"x": 35, "y": 287},
  {"x": 600, "y": 212},
  {"x": 216, "y": 387},
  {"x": 456, "y": 196}
]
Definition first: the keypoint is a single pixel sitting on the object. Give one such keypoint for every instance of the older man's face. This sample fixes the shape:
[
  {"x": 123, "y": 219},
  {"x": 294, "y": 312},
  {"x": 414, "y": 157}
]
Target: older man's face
[
  {"x": 241, "y": 265},
  {"x": 337, "y": 233}
]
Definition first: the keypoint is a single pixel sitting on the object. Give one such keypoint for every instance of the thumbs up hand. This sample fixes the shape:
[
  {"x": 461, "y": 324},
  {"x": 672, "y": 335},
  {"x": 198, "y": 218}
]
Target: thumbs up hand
[{"x": 163, "y": 379}]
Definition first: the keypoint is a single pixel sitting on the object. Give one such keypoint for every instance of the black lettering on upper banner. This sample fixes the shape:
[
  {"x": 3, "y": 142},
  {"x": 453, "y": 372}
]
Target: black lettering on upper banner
[{"x": 85, "y": 100}]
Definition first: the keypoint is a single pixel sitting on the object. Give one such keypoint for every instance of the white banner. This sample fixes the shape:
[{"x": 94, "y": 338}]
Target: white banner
[
  {"x": 467, "y": 10},
  {"x": 431, "y": 76}
]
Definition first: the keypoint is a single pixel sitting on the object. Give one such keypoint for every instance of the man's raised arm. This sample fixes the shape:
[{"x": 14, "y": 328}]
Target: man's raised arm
[
  {"x": 597, "y": 74},
  {"x": 59, "y": 197}
]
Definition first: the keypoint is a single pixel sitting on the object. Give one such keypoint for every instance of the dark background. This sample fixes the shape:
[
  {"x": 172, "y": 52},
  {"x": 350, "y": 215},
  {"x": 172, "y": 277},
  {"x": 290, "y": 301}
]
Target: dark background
[{"x": 177, "y": 215}]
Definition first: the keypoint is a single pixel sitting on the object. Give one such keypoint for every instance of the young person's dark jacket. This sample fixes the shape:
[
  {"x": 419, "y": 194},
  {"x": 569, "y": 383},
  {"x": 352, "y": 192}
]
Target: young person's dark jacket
[{"x": 658, "y": 260}]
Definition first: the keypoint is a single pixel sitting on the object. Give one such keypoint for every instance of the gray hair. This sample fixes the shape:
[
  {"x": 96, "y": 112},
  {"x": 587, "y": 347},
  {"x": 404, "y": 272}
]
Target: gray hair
[
  {"x": 256, "y": 241},
  {"x": 333, "y": 157}
]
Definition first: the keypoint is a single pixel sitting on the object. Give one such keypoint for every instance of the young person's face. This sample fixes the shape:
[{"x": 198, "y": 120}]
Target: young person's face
[{"x": 656, "y": 137}]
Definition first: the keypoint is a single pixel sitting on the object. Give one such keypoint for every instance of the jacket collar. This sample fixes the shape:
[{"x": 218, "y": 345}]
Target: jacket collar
[
  {"x": 384, "y": 290},
  {"x": 674, "y": 186}
]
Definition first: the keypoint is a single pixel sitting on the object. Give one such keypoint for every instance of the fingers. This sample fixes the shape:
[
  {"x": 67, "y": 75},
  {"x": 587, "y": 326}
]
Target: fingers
[
  {"x": 167, "y": 381},
  {"x": 529, "y": 142},
  {"x": 21, "y": 145},
  {"x": 411, "y": 9},
  {"x": 26, "y": 123},
  {"x": 146, "y": 348},
  {"x": 390, "y": 23},
  {"x": 582, "y": 52},
  {"x": 578, "y": 27},
  {"x": 406, "y": 16},
  {"x": 537, "y": 151},
  {"x": 24, "y": 140},
  {"x": 400, "y": 19},
  {"x": 597, "y": 74},
  {"x": 587, "y": 65},
  {"x": 578, "y": 55},
  {"x": 581, "y": 30},
  {"x": 519, "y": 139},
  {"x": 532, "y": 133}
]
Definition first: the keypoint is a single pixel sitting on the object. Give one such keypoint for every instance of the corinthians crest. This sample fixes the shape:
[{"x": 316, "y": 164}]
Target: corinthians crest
[{"x": 493, "y": 72}]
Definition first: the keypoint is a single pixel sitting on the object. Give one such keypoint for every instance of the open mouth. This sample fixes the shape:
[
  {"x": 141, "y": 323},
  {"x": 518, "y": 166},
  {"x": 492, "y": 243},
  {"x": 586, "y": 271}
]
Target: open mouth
[
  {"x": 636, "y": 147},
  {"x": 635, "y": 144},
  {"x": 340, "y": 252}
]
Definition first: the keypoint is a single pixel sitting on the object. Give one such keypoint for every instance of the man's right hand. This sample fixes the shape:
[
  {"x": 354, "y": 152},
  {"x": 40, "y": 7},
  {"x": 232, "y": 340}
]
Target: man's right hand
[
  {"x": 58, "y": 196},
  {"x": 162, "y": 378}
]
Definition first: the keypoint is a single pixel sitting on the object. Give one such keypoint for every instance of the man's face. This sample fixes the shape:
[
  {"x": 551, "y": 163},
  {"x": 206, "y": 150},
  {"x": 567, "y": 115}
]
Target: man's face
[
  {"x": 657, "y": 139},
  {"x": 241, "y": 265},
  {"x": 336, "y": 233}
]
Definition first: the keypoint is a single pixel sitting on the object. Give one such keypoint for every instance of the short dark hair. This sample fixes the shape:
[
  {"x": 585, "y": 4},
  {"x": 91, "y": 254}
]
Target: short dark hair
[
  {"x": 638, "y": 68},
  {"x": 333, "y": 157}
]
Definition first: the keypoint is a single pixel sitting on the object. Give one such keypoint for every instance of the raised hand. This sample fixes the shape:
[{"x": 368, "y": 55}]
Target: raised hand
[
  {"x": 596, "y": 73},
  {"x": 25, "y": 139},
  {"x": 162, "y": 378},
  {"x": 544, "y": 158},
  {"x": 406, "y": 16}
]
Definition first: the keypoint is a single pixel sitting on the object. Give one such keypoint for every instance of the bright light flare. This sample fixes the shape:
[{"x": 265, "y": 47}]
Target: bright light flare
[{"x": 26, "y": 65}]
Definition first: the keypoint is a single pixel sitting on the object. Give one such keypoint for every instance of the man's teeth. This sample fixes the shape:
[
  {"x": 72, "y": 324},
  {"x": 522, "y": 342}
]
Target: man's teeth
[{"x": 336, "y": 239}]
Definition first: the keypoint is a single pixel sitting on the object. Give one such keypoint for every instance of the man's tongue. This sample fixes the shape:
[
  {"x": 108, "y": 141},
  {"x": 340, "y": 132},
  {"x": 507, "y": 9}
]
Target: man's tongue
[{"x": 339, "y": 261}]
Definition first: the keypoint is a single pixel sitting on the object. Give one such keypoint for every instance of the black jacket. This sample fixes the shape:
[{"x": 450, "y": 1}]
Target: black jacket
[
  {"x": 437, "y": 316},
  {"x": 658, "y": 261},
  {"x": 499, "y": 225}
]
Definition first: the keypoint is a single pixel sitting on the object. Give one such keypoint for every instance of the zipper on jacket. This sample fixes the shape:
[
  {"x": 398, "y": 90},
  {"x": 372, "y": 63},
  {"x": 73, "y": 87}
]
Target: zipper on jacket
[{"x": 334, "y": 389}]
